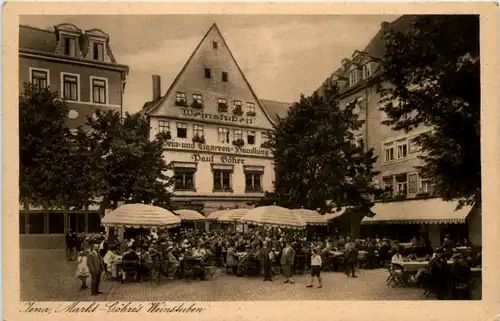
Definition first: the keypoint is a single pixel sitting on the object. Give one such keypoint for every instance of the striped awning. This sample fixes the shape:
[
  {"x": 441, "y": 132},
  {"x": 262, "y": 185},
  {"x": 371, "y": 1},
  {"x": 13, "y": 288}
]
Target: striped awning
[
  {"x": 190, "y": 215},
  {"x": 430, "y": 211},
  {"x": 311, "y": 217},
  {"x": 234, "y": 215},
  {"x": 275, "y": 216},
  {"x": 140, "y": 215}
]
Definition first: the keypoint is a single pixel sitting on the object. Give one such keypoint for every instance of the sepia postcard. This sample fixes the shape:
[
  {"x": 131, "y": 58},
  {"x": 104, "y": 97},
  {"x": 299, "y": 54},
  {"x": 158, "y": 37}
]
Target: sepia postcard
[{"x": 240, "y": 161}]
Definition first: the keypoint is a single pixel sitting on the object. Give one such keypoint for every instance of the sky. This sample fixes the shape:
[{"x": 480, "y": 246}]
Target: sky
[{"x": 282, "y": 56}]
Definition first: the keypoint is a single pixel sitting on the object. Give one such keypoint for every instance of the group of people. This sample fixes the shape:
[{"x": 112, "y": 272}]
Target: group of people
[{"x": 266, "y": 252}]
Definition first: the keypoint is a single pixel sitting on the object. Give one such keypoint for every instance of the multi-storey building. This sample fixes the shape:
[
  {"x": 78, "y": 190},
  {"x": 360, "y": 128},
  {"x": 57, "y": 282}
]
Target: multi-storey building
[
  {"x": 218, "y": 127},
  {"x": 409, "y": 204},
  {"x": 80, "y": 66}
]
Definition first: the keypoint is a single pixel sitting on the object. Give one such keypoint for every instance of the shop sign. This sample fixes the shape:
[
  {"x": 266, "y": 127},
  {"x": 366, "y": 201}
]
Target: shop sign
[
  {"x": 219, "y": 159},
  {"x": 220, "y": 149},
  {"x": 207, "y": 116}
]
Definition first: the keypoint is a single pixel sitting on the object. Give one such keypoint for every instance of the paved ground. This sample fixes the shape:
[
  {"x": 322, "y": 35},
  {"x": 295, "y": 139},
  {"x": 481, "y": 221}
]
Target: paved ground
[{"x": 47, "y": 276}]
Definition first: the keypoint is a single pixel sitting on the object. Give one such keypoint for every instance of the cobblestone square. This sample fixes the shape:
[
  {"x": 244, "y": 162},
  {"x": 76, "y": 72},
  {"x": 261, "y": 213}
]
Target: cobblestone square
[{"x": 47, "y": 276}]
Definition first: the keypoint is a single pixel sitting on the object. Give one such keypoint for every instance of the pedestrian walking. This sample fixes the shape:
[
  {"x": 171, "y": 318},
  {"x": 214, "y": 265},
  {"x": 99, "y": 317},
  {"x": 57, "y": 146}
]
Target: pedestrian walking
[
  {"x": 82, "y": 270},
  {"x": 316, "y": 263}
]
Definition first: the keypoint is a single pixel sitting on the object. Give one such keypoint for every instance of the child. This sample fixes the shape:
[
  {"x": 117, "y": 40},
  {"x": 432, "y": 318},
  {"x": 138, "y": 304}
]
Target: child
[
  {"x": 315, "y": 267},
  {"x": 82, "y": 270}
]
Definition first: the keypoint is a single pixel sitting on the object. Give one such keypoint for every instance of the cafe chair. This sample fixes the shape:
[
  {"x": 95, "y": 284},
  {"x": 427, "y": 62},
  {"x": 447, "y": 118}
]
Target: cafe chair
[{"x": 395, "y": 275}]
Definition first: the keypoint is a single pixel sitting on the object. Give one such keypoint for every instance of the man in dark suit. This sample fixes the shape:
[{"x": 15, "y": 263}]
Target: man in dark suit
[
  {"x": 266, "y": 261},
  {"x": 287, "y": 261},
  {"x": 95, "y": 266}
]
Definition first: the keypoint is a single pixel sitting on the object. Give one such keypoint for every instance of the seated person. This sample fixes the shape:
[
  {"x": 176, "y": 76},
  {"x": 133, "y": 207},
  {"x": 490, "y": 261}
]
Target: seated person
[
  {"x": 461, "y": 277},
  {"x": 111, "y": 259},
  {"x": 130, "y": 264},
  {"x": 173, "y": 263},
  {"x": 397, "y": 262}
]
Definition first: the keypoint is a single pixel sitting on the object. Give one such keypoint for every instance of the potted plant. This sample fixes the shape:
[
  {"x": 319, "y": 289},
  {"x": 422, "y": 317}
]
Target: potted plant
[
  {"x": 238, "y": 142},
  {"x": 199, "y": 139},
  {"x": 250, "y": 113},
  {"x": 181, "y": 102},
  {"x": 238, "y": 111},
  {"x": 196, "y": 104},
  {"x": 222, "y": 107}
]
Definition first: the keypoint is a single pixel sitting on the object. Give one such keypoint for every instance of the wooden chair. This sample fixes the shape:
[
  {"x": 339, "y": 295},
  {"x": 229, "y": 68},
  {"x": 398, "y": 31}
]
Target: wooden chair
[{"x": 395, "y": 275}]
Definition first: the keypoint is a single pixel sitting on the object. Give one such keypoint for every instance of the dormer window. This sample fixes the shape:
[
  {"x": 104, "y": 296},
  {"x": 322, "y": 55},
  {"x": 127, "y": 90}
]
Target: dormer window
[
  {"x": 70, "y": 46},
  {"x": 353, "y": 77},
  {"x": 98, "y": 51},
  {"x": 367, "y": 71}
]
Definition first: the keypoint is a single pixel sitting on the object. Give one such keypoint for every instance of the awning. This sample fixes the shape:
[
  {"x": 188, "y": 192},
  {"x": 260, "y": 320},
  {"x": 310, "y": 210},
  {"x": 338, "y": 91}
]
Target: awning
[{"x": 430, "y": 211}]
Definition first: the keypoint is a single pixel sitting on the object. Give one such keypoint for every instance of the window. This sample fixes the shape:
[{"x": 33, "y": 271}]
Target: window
[
  {"x": 402, "y": 184},
  {"x": 222, "y": 181},
  {"x": 215, "y": 45},
  {"x": 353, "y": 77},
  {"x": 70, "y": 87},
  {"x": 412, "y": 183},
  {"x": 223, "y": 135},
  {"x": 238, "y": 134},
  {"x": 70, "y": 46},
  {"x": 222, "y": 105},
  {"x": 251, "y": 109},
  {"x": 22, "y": 223},
  {"x": 197, "y": 130},
  {"x": 181, "y": 130},
  {"x": 36, "y": 223},
  {"x": 198, "y": 98},
  {"x": 413, "y": 147},
  {"x": 77, "y": 222},
  {"x": 367, "y": 71},
  {"x": 252, "y": 182},
  {"x": 184, "y": 179},
  {"x": 237, "y": 110},
  {"x": 425, "y": 186},
  {"x": 94, "y": 221},
  {"x": 98, "y": 90},
  {"x": 208, "y": 73},
  {"x": 39, "y": 78},
  {"x": 56, "y": 223},
  {"x": 98, "y": 51},
  {"x": 251, "y": 137},
  {"x": 402, "y": 150},
  {"x": 224, "y": 76},
  {"x": 180, "y": 99},
  {"x": 389, "y": 153},
  {"x": 388, "y": 185},
  {"x": 163, "y": 126}
]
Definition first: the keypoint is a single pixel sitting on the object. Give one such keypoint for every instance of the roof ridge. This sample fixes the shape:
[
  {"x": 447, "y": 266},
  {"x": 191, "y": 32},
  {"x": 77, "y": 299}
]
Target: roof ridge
[
  {"x": 36, "y": 28},
  {"x": 276, "y": 101}
]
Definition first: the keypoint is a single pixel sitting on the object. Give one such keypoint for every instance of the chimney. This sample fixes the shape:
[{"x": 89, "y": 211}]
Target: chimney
[
  {"x": 384, "y": 25},
  {"x": 156, "y": 87}
]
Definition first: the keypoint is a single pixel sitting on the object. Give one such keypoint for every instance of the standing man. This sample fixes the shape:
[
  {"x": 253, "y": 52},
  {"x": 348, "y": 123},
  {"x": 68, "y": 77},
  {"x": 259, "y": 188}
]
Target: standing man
[
  {"x": 287, "y": 260},
  {"x": 352, "y": 259},
  {"x": 265, "y": 260},
  {"x": 95, "y": 266}
]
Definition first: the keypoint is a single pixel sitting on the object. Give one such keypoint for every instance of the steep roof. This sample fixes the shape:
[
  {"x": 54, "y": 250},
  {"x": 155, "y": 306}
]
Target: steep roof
[
  {"x": 37, "y": 39},
  {"x": 151, "y": 106},
  {"x": 276, "y": 109},
  {"x": 376, "y": 46}
]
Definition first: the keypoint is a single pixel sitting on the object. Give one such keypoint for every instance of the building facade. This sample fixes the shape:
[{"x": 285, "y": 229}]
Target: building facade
[
  {"x": 358, "y": 80},
  {"x": 218, "y": 127},
  {"x": 80, "y": 66}
]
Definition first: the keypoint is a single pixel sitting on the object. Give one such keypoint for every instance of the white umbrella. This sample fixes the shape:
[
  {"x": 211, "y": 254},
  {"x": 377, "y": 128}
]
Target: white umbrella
[
  {"x": 275, "y": 216},
  {"x": 233, "y": 215},
  {"x": 140, "y": 215},
  {"x": 190, "y": 215},
  {"x": 311, "y": 217}
]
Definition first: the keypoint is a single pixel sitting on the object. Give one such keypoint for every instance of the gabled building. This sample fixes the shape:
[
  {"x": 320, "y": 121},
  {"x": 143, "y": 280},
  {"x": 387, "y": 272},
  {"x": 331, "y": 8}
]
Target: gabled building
[
  {"x": 405, "y": 208},
  {"x": 80, "y": 65},
  {"x": 218, "y": 127}
]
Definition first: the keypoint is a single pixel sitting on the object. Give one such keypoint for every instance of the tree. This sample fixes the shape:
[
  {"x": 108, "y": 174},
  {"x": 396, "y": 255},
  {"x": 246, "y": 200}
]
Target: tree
[
  {"x": 44, "y": 148},
  {"x": 129, "y": 166},
  {"x": 433, "y": 70},
  {"x": 318, "y": 164}
]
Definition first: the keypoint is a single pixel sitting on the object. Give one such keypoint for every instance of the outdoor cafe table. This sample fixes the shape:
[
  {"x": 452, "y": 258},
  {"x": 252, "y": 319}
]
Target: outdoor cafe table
[{"x": 413, "y": 266}]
